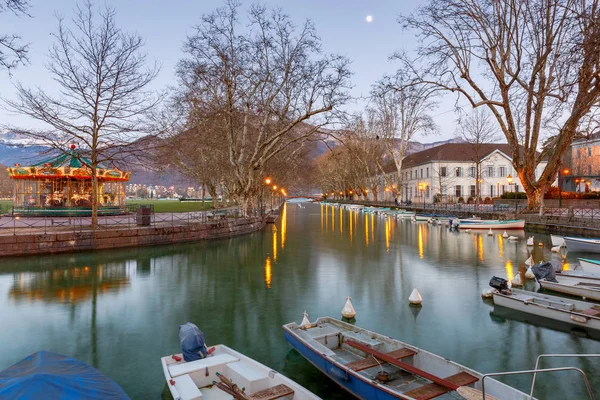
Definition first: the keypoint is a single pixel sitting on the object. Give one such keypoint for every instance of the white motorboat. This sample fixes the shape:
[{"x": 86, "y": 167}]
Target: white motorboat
[
  {"x": 374, "y": 366},
  {"x": 579, "y": 313},
  {"x": 585, "y": 286},
  {"x": 590, "y": 266},
  {"x": 195, "y": 379},
  {"x": 492, "y": 224},
  {"x": 583, "y": 245}
]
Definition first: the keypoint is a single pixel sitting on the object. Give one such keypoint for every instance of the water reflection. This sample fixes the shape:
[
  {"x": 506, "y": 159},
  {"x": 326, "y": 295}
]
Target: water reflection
[{"x": 268, "y": 272}]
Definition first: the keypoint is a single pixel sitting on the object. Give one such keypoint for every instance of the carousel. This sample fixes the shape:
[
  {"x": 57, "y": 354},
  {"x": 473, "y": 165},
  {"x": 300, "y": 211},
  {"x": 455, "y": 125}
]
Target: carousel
[{"x": 62, "y": 186}]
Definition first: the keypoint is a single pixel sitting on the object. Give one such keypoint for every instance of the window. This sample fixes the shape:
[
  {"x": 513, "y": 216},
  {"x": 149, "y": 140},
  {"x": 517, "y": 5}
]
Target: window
[
  {"x": 458, "y": 191},
  {"x": 443, "y": 171},
  {"x": 579, "y": 153},
  {"x": 490, "y": 171},
  {"x": 472, "y": 171},
  {"x": 428, "y": 174},
  {"x": 444, "y": 188},
  {"x": 458, "y": 171},
  {"x": 421, "y": 173},
  {"x": 473, "y": 190},
  {"x": 502, "y": 189},
  {"x": 410, "y": 190},
  {"x": 410, "y": 174},
  {"x": 491, "y": 190},
  {"x": 502, "y": 171},
  {"x": 589, "y": 151},
  {"x": 427, "y": 192},
  {"x": 589, "y": 169}
]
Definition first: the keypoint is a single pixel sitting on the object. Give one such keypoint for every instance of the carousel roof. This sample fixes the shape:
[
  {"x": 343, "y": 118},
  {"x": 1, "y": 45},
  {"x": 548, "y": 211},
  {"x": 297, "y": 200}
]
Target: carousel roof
[{"x": 67, "y": 165}]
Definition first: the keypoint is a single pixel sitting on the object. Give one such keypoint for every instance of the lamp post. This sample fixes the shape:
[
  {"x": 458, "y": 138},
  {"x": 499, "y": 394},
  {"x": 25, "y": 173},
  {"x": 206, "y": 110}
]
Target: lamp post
[
  {"x": 422, "y": 190},
  {"x": 274, "y": 190},
  {"x": 262, "y": 189},
  {"x": 564, "y": 172},
  {"x": 509, "y": 178}
]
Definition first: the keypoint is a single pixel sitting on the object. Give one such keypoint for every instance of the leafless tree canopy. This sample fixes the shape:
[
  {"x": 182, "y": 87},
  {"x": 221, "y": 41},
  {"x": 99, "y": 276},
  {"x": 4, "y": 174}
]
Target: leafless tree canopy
[
  {"x": 12, "y": 51},
  {"x": 103, "y": 89},
  {"x": 262, "y": 79},
  {"x": 533, "y": 63}
]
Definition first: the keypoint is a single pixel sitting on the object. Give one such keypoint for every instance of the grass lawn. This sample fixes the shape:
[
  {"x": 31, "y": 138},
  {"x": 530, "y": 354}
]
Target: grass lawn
[{"x": 173, "y": 205}]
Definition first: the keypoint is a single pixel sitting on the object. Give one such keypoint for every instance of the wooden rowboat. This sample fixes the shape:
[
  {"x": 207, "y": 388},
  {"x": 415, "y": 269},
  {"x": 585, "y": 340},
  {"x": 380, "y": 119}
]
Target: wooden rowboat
[
  {"x": 585, "y": 286},
  {"x": 582, "y": 244},
  {"x": 492, "y": 224},
  {"x": 590, "y": 266},
  {"x": 374, "y": 366},
  {"x": 214, "y": 377}
]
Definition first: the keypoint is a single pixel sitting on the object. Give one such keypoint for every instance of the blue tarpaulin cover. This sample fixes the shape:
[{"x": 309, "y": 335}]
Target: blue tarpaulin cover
[
  {"x": 192, "y": 342},
  {"x": 45, "y": 375}
]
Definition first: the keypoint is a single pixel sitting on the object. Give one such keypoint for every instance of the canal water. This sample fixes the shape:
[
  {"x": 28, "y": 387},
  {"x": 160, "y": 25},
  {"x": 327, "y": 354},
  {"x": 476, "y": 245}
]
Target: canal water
[{"x": 120, "y": 310}]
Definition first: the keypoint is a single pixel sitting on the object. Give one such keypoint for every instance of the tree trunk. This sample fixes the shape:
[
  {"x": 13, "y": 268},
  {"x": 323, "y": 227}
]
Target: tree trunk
[
  {"x": 203, "y": 194},
  {"x": 212, "y": 190},
  {"x": 94, "y": 196}
]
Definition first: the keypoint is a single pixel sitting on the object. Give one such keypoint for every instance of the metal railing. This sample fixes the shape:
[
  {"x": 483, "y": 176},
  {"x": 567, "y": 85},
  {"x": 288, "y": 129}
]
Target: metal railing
[{"x": 537, "y": 370}]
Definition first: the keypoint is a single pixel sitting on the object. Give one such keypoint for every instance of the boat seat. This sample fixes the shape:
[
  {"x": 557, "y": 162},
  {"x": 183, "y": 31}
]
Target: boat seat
[
  {"x": 370, "y": 362},
  {"x": 191, "y": 366},
  {"x": 247, "y": 376},
  {"x": 324, "y": 350},
  {"x": 362, "y": 339},
  {"x": 272, "y": 393},
  {"x": 186, "y": 388},
  {"x": 592, "y": 312},
  {"x": 432, "y": 390}
]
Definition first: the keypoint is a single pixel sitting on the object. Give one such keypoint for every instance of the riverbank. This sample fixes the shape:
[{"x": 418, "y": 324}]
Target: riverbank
[
  {"x": 35, "y": 242},
  {"x": 579, "y": 222}
]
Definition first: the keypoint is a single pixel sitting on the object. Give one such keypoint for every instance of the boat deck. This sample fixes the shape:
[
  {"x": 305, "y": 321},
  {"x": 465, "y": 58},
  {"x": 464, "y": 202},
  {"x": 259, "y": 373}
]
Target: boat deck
[{"x": 345, "y": 347}]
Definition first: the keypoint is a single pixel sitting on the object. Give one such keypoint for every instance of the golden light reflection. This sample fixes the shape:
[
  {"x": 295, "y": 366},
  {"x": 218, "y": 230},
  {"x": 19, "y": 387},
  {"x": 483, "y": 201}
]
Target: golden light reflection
[
  {"x": 268, "y": 272},
  {"x": 274, "y": 246},
  {"x": 509, "y": 270},
  {"x": 387, "y": 234},
  {"x": 373, "y": 228},
  {"x": 420, "y": 242},
  {"x": 283, "y": 226},
  {"x": 351, "y": 220},
  {"x": 332, "y": 219},
  {"x": 500, "y": 246},
  {"x": 341, "y": 220},
  {"x": 566, "y": 267},
  {"x": 322, "y": 217},
  {"x": 326, "y": 217},
  {"x": 367, "y": 229},
  {"x": 480, "y": 248}
]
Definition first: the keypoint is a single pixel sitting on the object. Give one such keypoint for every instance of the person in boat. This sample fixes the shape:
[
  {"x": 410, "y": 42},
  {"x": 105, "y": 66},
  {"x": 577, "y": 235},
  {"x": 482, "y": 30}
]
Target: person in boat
[{"x": 192, "y": 342}]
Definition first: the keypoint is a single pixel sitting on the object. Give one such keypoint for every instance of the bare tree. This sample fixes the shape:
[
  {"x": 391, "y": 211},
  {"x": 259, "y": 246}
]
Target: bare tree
[
  {"x": 262, "y": 79},
  {"x": 12, "y": 52},
  {"x": 104, "y": 90},
  {"x": 533, "y": 63},
  {"x": 477, "y": 129},
  {"x": 401, "y": 110}
]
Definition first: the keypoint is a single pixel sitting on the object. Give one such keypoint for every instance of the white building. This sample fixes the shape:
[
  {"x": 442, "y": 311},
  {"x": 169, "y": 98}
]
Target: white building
[{"x": 449, "y": 172}]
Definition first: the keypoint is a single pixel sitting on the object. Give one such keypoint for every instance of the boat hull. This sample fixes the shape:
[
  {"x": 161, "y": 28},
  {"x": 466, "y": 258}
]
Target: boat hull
[
  {"x": 475, "y": 224},
  {"x": 590, "y": 266},
  {"x": 575, "y": 285},
  {"x": 365, "y": 386},
  {"x": 582, "y": 245},
  {"x": 552, "y": 313}
]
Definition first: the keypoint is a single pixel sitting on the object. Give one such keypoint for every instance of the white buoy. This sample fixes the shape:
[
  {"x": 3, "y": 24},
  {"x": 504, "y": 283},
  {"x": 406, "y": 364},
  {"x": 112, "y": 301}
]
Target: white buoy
[
  {"x": 487, "y": 293},
  {"x": 490, "y": 233},
  {"x": 530, "y": 241},
  {"x": 348, "y": 311},
  {"x": 505, "y": 235},
  {"x": 517, "y": 280},
  {"x": 529, "y": 262},
  {"x": 529, "y": 274},
  {"x": 305, "y": 321},
  {"x": 415, "y": 297},
  {"x": 513, "y": 238},
  {"x": 555, "y": 249}
]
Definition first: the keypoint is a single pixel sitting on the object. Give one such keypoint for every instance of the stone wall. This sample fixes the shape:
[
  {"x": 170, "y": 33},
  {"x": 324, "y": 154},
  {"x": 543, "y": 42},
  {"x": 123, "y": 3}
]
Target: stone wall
[{"x": 63, "y": 242}]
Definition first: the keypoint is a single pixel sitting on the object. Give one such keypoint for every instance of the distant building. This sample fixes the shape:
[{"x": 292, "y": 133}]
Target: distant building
[
  {"x": 448, "y": 172},
  {"x": 585, "y": 169}
]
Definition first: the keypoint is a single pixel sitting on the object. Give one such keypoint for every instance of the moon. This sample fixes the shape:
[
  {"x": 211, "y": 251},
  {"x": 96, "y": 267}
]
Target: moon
[{"x": 369, "y": 18}]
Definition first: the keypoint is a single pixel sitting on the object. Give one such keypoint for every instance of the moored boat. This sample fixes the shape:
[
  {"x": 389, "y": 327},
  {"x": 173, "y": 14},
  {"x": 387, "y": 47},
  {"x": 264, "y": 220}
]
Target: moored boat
[
  {"x": 492, "y": 224},
  {"x": 577, "y": 313},
  {"x": 590, "y": 266},
  {"x": 221, "y": 374},
  {"x": 583, "y": 245},
  {"x": 575, "y": 284},
  {"x": 374, "y": 366}
]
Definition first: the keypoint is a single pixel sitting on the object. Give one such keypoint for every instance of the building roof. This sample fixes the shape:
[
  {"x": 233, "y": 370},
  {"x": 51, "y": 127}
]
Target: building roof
[{"x": 458, "y": 152}]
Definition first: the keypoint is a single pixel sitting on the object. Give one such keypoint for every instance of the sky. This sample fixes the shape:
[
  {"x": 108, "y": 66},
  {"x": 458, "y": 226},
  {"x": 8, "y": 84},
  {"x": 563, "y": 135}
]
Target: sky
[{"x": 342, "y": 26}]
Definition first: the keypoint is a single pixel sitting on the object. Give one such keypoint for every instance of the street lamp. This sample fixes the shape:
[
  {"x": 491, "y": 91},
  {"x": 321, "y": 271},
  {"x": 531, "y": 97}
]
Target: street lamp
[
  {"x": 422, "y": 190},
  {"x": 509, "y": 178},
  {"x": 560, "y": 175}
]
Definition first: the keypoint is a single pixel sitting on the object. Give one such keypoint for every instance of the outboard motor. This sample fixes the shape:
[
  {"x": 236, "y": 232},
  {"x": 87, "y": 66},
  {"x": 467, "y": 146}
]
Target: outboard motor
[
  {"x": 192, "y": 342},
  {"x": 500, "y": 284}
]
